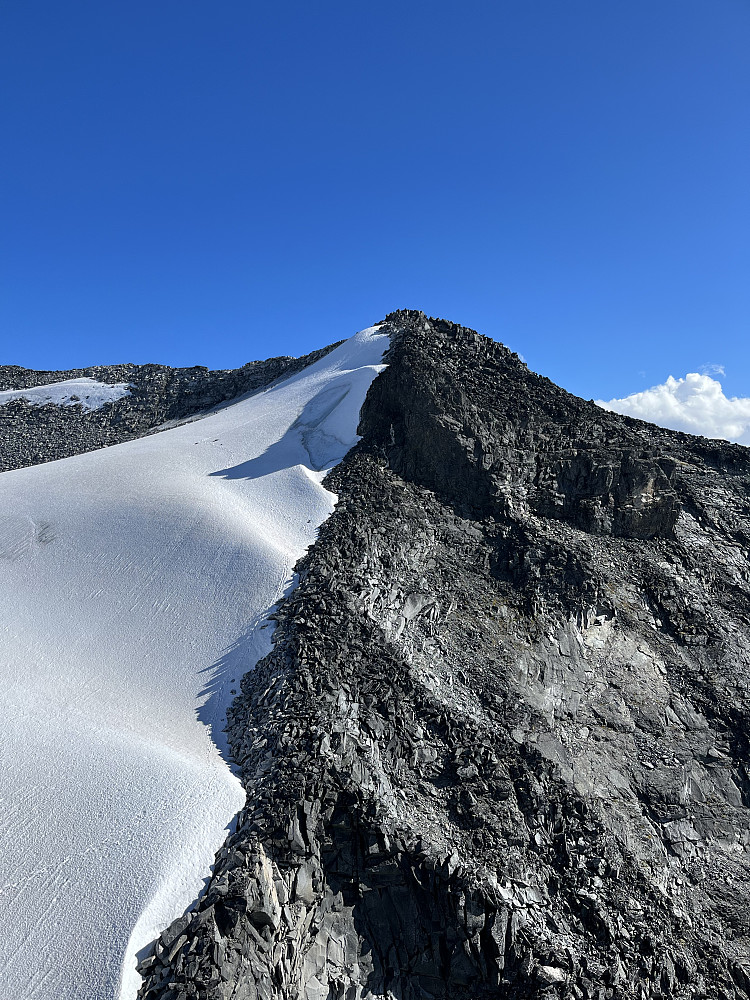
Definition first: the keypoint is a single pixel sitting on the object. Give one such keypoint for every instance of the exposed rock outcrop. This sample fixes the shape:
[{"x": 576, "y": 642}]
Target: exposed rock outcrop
[{"x": 500, "y": 748}]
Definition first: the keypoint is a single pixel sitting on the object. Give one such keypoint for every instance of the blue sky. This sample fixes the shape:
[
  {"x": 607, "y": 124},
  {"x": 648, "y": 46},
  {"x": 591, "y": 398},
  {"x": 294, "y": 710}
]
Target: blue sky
[{"x": 197, "y": 183}]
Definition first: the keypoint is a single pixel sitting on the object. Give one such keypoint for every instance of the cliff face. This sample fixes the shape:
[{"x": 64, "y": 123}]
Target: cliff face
[
  {"x": 500, "y": 748},
  {"x": 31, "y": 435}
]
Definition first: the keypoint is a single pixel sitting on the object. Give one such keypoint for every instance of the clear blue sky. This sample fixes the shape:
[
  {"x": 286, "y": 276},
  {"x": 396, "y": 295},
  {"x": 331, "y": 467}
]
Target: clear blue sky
[{"x": 209, "y": 183}]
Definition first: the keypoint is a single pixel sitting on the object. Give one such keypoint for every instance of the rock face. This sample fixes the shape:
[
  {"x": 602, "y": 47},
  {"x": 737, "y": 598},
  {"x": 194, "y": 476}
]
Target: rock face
[
  {"x": 500, "y": 747},
  {"x": 30, "y": 435}
]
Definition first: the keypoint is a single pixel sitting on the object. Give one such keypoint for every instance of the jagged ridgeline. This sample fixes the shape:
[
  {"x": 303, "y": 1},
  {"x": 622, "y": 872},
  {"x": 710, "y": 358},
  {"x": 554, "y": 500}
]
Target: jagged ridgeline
[{"x": 500, "y": 746}]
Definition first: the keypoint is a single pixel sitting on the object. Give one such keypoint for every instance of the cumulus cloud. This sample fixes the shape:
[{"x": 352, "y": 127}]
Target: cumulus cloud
[{"x": 695, "y": 403}]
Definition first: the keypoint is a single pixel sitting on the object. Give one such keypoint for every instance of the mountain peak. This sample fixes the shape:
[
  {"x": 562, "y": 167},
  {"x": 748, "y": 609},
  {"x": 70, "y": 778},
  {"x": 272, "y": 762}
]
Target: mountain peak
[
  {"x": 497, "y": 742},
  {"x": 499, "y": 747}
]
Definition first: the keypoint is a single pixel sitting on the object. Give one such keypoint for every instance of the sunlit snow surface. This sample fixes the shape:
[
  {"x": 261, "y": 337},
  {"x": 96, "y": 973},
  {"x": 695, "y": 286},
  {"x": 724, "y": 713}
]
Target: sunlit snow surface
[
  {"x": 85, "y": 392},
  {"x": 134, "y": 580}
]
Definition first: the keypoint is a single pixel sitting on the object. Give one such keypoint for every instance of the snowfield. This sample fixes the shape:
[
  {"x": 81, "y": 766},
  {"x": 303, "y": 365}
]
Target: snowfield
[
  {"x": 135, "y": 580},
  {"x": 85, "y": 392}
]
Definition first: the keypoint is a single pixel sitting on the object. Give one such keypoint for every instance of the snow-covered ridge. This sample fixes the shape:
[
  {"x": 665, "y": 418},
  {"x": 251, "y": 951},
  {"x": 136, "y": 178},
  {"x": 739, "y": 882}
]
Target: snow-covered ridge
[
  {"x": 134, "y": 582},
  {"x": 85, "y": 392}
]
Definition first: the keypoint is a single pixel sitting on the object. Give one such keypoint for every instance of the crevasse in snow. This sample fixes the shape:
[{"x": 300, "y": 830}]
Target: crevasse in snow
[{"x": 134, "y": 582}]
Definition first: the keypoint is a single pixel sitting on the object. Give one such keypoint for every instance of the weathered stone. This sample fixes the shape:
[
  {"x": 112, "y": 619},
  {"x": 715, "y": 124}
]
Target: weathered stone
[
  {"x": 263, "y": 906},
  {"x": 550, "y": 974},
  {"x": 303, "y": 885}
]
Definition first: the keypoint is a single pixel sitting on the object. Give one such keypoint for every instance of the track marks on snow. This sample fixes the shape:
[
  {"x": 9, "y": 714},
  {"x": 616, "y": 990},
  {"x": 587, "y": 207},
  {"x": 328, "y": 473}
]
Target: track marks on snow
[{"x": 20, "y": 535}]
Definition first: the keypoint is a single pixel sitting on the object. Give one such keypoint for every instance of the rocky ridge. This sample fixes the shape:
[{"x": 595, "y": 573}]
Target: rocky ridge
[
  {"x": 500, "y": 746},
  {"x": 30, "y": 435}
]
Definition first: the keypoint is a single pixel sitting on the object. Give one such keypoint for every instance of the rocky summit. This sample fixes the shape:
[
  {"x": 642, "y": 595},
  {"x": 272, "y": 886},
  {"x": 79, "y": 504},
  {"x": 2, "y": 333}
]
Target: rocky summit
[{"x": 500, "y": 746}]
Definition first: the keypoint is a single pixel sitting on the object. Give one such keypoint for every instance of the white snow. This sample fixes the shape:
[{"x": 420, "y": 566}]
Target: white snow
[
  {"x": 134, "y": 582},
  {"x": 86, "y": 392}
]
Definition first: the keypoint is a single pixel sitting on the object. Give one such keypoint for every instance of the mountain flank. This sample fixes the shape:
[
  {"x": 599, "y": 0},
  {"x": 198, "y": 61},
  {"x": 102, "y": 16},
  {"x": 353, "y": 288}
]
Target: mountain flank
[
  {"x": 31, "y": 435},
  {"x": 500, "y": 747}
]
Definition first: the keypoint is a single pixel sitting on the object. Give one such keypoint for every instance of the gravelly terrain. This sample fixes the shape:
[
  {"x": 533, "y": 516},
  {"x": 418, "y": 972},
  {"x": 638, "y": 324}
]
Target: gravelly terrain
[{"x": 500, "y": 747}]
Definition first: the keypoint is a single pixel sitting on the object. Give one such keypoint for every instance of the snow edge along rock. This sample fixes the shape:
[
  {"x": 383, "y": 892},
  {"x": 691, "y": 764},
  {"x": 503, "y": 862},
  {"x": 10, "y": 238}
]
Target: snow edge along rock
[
  {"x": 203, "y": 524},
  {"x": 324, "y": 429}
]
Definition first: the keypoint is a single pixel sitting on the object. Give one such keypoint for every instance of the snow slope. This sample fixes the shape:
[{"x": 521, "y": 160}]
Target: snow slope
[
  {"x": 86, "y": 392},
  {"x": 134, "y": 582}
]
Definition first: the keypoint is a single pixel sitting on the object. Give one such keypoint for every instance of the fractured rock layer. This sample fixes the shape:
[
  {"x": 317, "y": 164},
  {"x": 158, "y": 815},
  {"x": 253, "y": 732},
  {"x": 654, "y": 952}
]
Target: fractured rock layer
[{"x": 500, "y": 746}]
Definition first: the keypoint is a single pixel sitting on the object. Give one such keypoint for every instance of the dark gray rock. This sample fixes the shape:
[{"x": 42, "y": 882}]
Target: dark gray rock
[{"x": 500, "y": 748}]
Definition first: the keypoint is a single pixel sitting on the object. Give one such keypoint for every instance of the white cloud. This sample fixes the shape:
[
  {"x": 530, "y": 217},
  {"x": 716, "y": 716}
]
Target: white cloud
[
  {"x": 712, "y": 369},
  {"x": 695, "y": 403}
]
